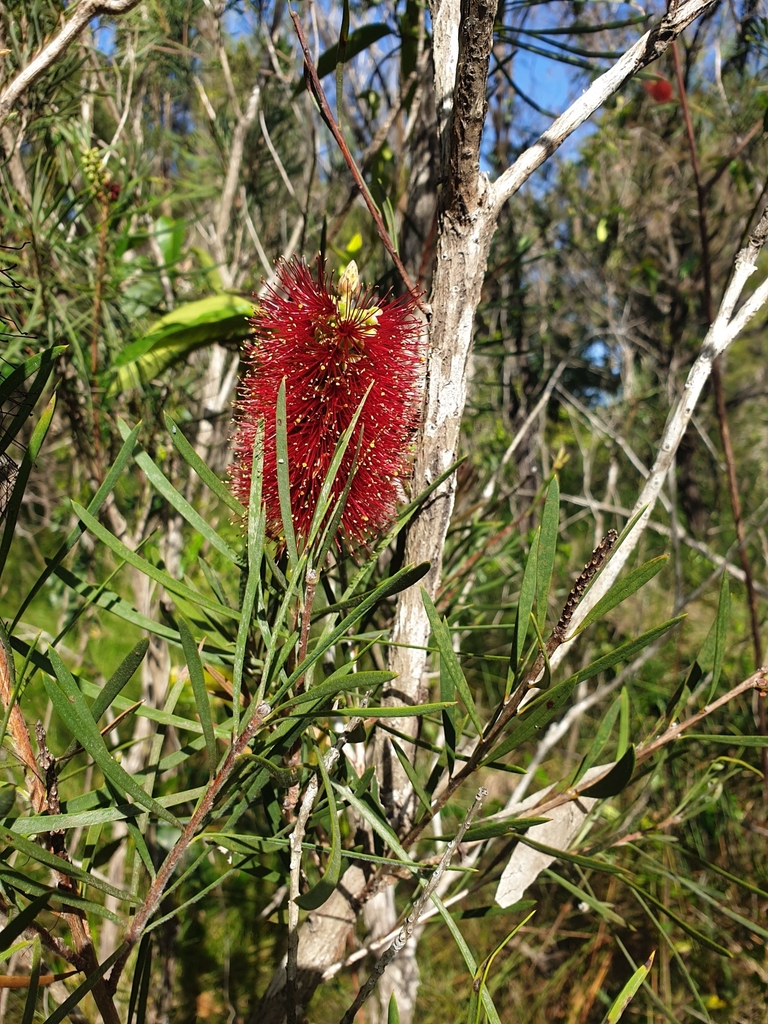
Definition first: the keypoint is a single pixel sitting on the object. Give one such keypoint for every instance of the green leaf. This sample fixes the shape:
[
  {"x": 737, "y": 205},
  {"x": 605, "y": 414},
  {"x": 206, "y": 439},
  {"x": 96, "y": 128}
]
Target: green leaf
[
  {"x": 339, "y": 682},
  {"x": 601, "y": 738},
  {"x": 283, "y": 777},
  {"x": 617, "y": 779},
  {"x": 623, "y": 589},
  {"x": 402, "y": 579},
  {"x": 7, "y": 800},
  {"x": 114, "y": 685},
  {"x": 169, "y": 234},
  {"x": 341, "y": 51},
  {"x": 256, "y": 534},
  {"x": 469, "y": 960},
  {"x": 101, "y": 495},
  {"x": 393, "y": 1014},
  {"x": 142, "y": 973},
  {"x": 550, "y": 522},
  {"x": 190, "y": 326},
  {"x": 357, "y": 41},
  {"x": 525, "y": 605},
  {"x": 601, "y": 908},
  {"x": 326, "y": 490},
  {"x": 381, "y": 828},
  {"x": 14, "y": 504},
  {"x": 623, "y": 743},
  {"x": 726, "y": 738},
  {"x": 627, "y": 994},
  {"x": 17, "y": 925},
  {"x": 38, "y": 824},
  {"x": 197, "y": 679},
  {"x": 163, "y": 486},
  {"x": 50, "y": 860},
  {"x": 205, "y": 473},
  {"x": 681, "y": 922},
  {"x": 34, "y": 980},
  {"x": 324, "y": 889},
  {"x": 494, "y": 829},
  {"x": 283, "y": 476},
  {"x": 159, "y": 575},
  {"x": 448, "y": 658},
  {"x": 71, "y": 708},
  {"x": 623, "y": 653},
  {"x": 410, "y": 771},
  {"x": 480, "y": 982}
]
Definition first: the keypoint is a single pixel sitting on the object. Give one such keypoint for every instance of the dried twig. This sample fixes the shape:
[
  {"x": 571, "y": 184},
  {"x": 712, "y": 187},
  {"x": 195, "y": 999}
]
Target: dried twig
[
  {"x": 314, "y": 86},
  {"x": 413, "y": 918}
]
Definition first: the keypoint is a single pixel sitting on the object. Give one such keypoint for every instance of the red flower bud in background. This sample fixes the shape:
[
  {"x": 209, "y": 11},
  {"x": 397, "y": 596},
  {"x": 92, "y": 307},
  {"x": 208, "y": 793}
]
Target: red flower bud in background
[
  {"x": 330, "y": 345},
  {"x": 660, "y": 89}
]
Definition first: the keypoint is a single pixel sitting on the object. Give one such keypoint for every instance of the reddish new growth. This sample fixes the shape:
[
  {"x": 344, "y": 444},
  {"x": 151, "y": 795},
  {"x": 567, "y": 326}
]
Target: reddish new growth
[{"x": 330, "y": 345}]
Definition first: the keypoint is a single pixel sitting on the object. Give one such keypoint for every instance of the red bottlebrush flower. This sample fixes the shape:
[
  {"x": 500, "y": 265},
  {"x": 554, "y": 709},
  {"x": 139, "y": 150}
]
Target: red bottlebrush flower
[
  {"x": 660, "y": 90},
  {"x": 330, "y": 345}
]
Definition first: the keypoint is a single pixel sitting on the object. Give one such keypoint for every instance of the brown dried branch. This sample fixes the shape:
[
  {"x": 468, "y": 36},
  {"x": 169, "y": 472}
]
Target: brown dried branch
[{"x": 316, "y": 89}]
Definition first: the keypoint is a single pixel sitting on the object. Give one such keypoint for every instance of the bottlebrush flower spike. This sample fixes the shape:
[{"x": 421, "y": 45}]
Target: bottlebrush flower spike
[{"x": 330, "y": 345}]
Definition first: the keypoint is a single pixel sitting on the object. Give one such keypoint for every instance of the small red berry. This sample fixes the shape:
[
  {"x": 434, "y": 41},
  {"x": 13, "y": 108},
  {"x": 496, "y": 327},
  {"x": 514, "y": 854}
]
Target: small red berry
[
  {"x": 330, "y": 345},
  {"x": 660, "y": 90}
]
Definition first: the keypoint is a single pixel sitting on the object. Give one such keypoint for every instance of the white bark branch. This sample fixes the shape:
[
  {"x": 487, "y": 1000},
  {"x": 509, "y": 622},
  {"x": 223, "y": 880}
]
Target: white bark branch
[
  {"x": 720, "y": 335},
  {"x": 644, "y": 52},
  {"x": 73, "y": 27}
]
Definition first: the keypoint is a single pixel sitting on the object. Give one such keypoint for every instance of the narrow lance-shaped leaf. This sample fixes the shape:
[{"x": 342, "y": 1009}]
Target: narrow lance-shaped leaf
[
  {"x": 163, "y": 486},
  {"x": 388, "y": 711},
  {"x": 540, "y": 711},
  {"x": 617, "y": 779},
  {"x": 159, "y": 575},
  {"x": 623, "y": 589},
  {"x": 114, "y": 685},
  {"x": 197, "y": 679},
  {"x": 402, "y": 579},
  {"x": 410, "y": 771},
  {"x": 601, "y": 738},
  {"x": 550, "y": 521},
  {"x": 206, "y": 474},
  {"x": 101, "y": 495},
  {"x": 256, "y": 534},
  {"x": 627, "y": 994},
  {"x": 524, "y": 608},
  {"x": 70, "y": 706},
  {"x": 284, "y": 478},
  {"x": 18, "y": 924},
  {"x": 469, "y": 960},
  {"x": 448, "y": 658},
  {"x": 720, "y": 629},
  {"x": 41, "y": 365},
  {"x": 34, "y": 980},
  {"x": 63, "y": 1011},
  {"x": 324, "y": 498},
  {"x": 324, "y": 889},
  {"x": 36, "y": 852},
  {"x": 623, "y": 743}
]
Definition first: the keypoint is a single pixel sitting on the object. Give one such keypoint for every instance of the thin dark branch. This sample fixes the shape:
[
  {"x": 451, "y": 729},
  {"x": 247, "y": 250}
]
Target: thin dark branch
[{"x": 314, "y": 86}]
